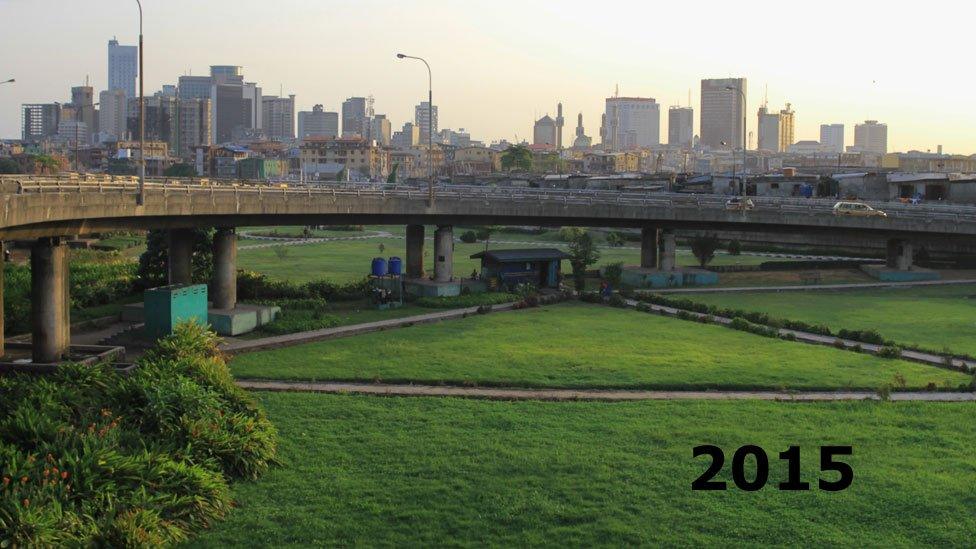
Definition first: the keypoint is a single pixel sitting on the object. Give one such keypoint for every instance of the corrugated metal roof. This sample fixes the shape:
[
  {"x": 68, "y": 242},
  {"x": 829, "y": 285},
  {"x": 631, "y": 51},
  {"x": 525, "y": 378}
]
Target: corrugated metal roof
[{"x": 525, "y": 254}]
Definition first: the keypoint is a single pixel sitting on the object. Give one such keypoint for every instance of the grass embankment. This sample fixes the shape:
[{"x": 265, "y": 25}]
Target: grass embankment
[
  {"x": 432, "y": 472},
  {"x": 933, "y": 317},
  {"x": 580, "y": 345}
]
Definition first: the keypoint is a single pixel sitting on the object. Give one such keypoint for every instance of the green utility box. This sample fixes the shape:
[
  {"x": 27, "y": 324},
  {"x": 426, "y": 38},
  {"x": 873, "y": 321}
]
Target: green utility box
[{"x": 167, "y": 306}]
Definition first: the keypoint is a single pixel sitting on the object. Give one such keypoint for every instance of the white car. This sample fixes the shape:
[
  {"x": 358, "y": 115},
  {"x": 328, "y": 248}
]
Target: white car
[
  {"x": 857, "y": 209},
  {"x": 738, "y": 203}
]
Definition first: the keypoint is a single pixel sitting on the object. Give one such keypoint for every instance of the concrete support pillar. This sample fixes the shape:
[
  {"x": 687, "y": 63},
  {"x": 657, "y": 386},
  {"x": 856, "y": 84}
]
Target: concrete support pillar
[
  {"x": 2, "y": 261},
  {"x": 668, "y": 247},
  {"x": 900, "y": 254},
  {"x": 180, "y": 256},
  {"x": 649, "y": 247},
  {"x": 443, "y": 253},
  {"x": 415, "y": 251},
  {"x": 225, "y": 269},
  {"x": 50, "y": 298}
]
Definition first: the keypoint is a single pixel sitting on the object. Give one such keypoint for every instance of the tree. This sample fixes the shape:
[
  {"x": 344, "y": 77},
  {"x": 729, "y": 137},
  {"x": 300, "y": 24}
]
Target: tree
[
  {"x": 735, "y": 247},
  {"x": 517, "y": 157},
  {"x": 154, "y": 262},
  {"x": 392, "y": 178},
  {"x": 121, "y": 166},
  {"x": 9, "y": 165},
  {"x": 582, "y": 254},
  {"x": 703, "y": 247},
  {"x": 180, "y": 170},
  {"x": 469, "y": 237},
  {"x": 613, "y": 272},
  {"x": 484, "y": 233},
  {"x": 615, "y": 239}
]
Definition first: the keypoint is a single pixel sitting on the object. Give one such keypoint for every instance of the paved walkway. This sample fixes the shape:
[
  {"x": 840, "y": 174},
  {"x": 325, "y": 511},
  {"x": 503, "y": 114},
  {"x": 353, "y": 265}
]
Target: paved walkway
[
  {"x": 802, "y": 288},
  {"x": 274, "y": 342},
  {"x": 817, "y": 339},
  {"x": 506, "y": 393}
]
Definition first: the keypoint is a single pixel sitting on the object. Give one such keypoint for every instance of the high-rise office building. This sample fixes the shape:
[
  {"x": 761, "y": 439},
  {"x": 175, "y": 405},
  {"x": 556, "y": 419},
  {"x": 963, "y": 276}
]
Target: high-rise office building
[
  {"x": 832, "y": 137},
  {"x": 318, "y": 123},
  {"x": 769, "y": 130},
  {"x": 227, "y": 112},
  {"x": 722, "y": 110},
  {"x": 83, "y": 101},
  {"x": 112, "y": 114},
  {"x": 227, "y": 74},
  {"x": 787, "y": 124},
  {"x": 380, "y": 130},
  {"x": 278, "y": 114},
  {"x": 871, "y": 136},
  {"x": 406, "y": 138},
  {"x": 424, "y": 119},
  {"x": 631, "y": 123},
  {"x": 354, "y": 117},
  {"x": 123, "y": 67},
  {"x": 681, "y": 127},
  {"x": 39, "y": 121},
  {"x": 194, "y": 87},
  {"x": 194, "y": 125},
  {"x": 162, "y": 119}
]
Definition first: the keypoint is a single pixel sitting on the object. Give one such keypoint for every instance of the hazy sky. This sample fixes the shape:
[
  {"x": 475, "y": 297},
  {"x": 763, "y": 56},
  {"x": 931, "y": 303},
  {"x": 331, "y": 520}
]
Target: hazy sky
[{"x": 500, "y": 64}]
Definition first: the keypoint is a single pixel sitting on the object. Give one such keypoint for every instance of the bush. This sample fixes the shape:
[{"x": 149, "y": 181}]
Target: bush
[
  {"x": 469, "y": 237},
  {"x": 889, "y": 351},
  {"x": 613, "y": 272},
  {"x": 90, "y": 457},
  {"x": 473, "y": 300},
  {"x": 617, "y": 301},
  {"x": 252, "y": 285},
  {"x": 735, "y": 247}
]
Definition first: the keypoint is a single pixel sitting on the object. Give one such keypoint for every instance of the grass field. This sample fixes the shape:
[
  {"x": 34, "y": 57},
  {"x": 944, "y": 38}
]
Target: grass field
[
  {"x": 374, "y": 471},
  {"x": 344, "y": 312},
  {"x": 581, "y": 345},
  {"x": 933, "y": 317}
]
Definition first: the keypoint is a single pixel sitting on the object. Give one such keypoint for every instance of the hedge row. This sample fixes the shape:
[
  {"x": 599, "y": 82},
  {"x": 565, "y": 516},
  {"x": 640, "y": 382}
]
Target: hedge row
[{"x": 253, "y": 285}]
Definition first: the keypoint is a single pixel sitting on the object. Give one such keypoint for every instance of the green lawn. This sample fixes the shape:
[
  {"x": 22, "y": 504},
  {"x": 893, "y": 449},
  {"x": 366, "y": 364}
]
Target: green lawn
[
  {"x": 425, "y": 472},
  {"x": 581, "y": 345},
  {"x": 346, "y": 313},
  {"x": 932, "y": 317}
]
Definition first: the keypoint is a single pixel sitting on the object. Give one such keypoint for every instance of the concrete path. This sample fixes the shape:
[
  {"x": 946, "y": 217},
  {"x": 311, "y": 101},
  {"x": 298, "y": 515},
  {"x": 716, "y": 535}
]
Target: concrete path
[
  {"x": 831, "y": 341},
  {"x": 802, "y": 288},
  {"x": 505, "y": 393},
  {"x": 287, "y": 340}
]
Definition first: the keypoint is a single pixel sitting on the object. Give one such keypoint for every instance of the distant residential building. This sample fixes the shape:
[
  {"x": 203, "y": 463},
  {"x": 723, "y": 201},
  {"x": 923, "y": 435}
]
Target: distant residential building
[
  {"x": 253, "y": 117},
  {"x": 406, "y": 138},
  {"x": 722, "y": 112},
  {"x": 278, "y": 116},
  {"x": 425, "y": 120},
  {"x": 168, "y": 90},
  {"x": 609, "y": 162},
  {"x": 318, "y": 123},
  {"x": 787, "y": 125},
  {"x": 73, "y": 133},
  {"x": 112, "y": 115},
  {"x": 358, "y": 157},
  {"x": 39, "y": 121},
  {"x": 832, "y": 137},
  {"x": 769, "y": 131},
  {"x": 681, "y": 127},
  {"x": 453, "y": 138},
  {"x": 380, "y": 130},
  {"x": 871, "y": 136},
  {"x": 354, "y": 117},
  {"x": 162, "y": 120},
  {"x": 476, "y": 161},
  {"x": 227, "y": 112},
  {"x": 83, "y": 101},
  {"x": 808, "y": 147},
  {"x": 544, "y": 131},
  {"x": 123, "y": 67},
  {"x": 631, "y": 123},
  {"x": 194, "y": 87},
  {"x": 194, "y": 125}
]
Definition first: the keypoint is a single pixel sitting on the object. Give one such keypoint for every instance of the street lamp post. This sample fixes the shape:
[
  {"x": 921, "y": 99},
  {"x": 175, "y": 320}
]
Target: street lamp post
[
  {"x": 430, "y": 126},
  {"x": 743, "y": 94},
  {"x": 141, "y": 197}
]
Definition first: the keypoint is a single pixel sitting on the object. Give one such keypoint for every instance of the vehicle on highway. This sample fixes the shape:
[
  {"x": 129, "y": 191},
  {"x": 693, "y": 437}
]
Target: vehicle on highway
[
  {"x": 857, "y": 209},
  {"x": 739, "y": 203}
]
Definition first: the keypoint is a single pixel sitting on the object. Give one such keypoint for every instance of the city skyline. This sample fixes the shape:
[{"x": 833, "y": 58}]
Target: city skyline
[{"x": 501, "y": 103}]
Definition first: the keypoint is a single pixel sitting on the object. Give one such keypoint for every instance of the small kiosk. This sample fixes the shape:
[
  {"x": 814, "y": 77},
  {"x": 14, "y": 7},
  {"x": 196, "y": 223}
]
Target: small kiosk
[{"x": 540, "y": 267}]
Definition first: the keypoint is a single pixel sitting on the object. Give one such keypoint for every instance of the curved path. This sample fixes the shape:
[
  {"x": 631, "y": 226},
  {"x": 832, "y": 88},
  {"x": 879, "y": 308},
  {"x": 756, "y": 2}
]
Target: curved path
[{"x": 506, "y": 393}]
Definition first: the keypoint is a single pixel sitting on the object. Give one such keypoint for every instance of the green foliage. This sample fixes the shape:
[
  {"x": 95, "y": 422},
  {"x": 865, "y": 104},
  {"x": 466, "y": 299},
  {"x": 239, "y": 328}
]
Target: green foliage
[
  {"x": 613, "y": 271},
  {"x": 470, "y": 300},
  {"x": 569, "y": 234},
  {"x": 582, "y": 254},
  {"x": 180, "y": 170},
  {"x": 703, "y": 247},
  {"x": 615, "y": 239},
  {"x": 252, "y": 285},
  {"x": 392, "y": 178},
  {"x": 154, "y": 262},
  {"x": 90, "y": 457},
  {"x": 9, "y": 166},
  {"x": 469, "y": 237},
  {"x": 889, "y": 351},
  {"x": 517, "y": 158},
  {"x": 735, "y": 247},
  {"x": 121, "y": 166}
]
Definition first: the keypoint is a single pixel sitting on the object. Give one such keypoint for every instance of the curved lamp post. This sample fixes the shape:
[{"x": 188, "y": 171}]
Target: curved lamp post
[
  {"x": 430, "y": 126},
  {"x": 141, "y": 197},
  {"x": 742, "y": 191}
]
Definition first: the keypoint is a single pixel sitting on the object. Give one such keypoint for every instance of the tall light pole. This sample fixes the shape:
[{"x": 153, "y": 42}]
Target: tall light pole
[
  {"x": 743, "y": 94},
  {"x": 430, "y": 126},
  {"x": 141, "y": 197}
]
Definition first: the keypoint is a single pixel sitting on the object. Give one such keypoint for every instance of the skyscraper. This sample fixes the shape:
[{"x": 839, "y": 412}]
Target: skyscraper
[
  {"x": 83, "y": 100},
  {"x": 123, "y": 67},
  {"x": 769, "y": 130},
  {"x": 420, "y": 117},
  {"x": 194, "y": 125},
  {"x": 278, "y": 115},
  {"x": 631, "y": 123},
  {"x": 787, "y": 124},
  {"x": 318, "y": 123},
  {"x": 681, "y": 127},
  {"x": 39, "y": 120},
  {"x": 722, "y": 111},
  {"x": 354, "y": 117},
  {"x": 832, "y": 137},
  {"x": 871, "y": 137},
  {"x": 380, "y": 130},
  {"x": 112, "y": 109},
  {"x": 194, "y": 87}
]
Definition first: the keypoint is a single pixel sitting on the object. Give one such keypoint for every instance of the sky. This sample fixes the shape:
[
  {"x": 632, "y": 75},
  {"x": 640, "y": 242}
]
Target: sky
[{"x": 497, "y": 66}]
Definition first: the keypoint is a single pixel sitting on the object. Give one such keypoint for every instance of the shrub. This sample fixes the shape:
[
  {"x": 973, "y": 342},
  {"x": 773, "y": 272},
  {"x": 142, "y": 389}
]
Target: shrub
[
  {"x": 469, "y": 237},
  {"x": 613, "y": 272},
  {"x": 473, "y": 300},
  {"x": 735, "y": 247},
  {"x": 617, "y": 301},
  {"x": 889, "y": 351}
]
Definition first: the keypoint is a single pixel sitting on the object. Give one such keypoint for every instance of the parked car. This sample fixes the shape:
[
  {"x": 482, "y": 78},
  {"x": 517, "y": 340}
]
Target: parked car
[
  {"x": 857, "y": 209},
  {"x": 739, "y": 203}
]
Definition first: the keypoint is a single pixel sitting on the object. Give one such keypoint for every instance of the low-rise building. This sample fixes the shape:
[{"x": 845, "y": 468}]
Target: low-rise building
[{"x": 362, "y": 159}]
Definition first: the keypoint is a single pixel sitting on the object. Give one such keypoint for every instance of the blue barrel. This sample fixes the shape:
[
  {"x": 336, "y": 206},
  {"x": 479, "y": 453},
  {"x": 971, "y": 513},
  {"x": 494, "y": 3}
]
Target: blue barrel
[
  {"x": 396, "y": 266},
  {"x": 379, "y": 266}
]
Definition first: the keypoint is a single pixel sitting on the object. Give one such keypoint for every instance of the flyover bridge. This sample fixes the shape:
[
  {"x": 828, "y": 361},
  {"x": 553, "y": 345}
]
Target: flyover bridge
[{"x": 48, "y": 209}]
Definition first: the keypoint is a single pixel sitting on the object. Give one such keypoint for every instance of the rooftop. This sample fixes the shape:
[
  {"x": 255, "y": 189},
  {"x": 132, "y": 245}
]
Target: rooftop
[{"x": 522, "y": 255}]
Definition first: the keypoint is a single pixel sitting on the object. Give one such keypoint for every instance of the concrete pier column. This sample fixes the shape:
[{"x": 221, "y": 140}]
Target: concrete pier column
[
  {"x": 2, "y": 261},
  {"x": 225, "y": 268},
  {"x": 50, "y": 323},
  {"x": 444, "y": 253},
  {"x": 648, "y": 257},
  {"x": 668, "y": 247},
  {"x": 180, "y": 256},
  {"x": 899, "y": 255},
  {"x": 415, "y": 251}
]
